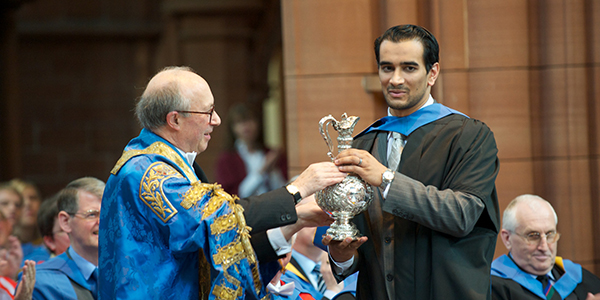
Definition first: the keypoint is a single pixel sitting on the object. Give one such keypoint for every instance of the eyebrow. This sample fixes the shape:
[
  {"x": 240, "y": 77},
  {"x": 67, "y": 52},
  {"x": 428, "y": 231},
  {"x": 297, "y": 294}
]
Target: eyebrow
[{"x": 402, "y": 63}]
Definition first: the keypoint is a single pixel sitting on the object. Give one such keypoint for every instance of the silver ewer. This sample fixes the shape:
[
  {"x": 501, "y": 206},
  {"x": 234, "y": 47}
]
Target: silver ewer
[{"x": 351, "y": 196}]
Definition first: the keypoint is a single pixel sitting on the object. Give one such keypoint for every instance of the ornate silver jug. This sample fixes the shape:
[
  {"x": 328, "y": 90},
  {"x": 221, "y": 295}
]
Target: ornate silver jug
[{"x": 351, "y": 196}]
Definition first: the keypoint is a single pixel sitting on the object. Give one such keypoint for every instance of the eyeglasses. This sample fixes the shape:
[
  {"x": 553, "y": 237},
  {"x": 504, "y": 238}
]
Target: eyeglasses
[
  {"x": 533, "y": 238},
  {"x": 209, "y": 113},
  {"x": 90, "y": 215}
]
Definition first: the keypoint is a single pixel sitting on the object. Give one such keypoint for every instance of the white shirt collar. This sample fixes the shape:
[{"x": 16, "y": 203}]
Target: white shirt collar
[
  {"x": 189, "y": 156},
  {"x": 86, "y": 267}
]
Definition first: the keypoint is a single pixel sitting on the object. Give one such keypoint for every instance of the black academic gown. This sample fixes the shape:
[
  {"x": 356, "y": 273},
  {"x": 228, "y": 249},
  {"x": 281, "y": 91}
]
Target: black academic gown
[
  {"x": 452, "y": 154},
  {"x": 508, "y": 289}
]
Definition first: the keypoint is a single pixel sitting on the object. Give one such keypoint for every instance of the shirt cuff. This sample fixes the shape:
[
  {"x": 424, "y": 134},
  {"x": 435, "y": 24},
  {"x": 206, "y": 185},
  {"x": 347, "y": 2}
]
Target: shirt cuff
[
  {"x": 329, "y": 294},
  {"x": 278, "y": 241},
  {"x": 340, "y": 267},
  {"x": 386, "y": 190}
]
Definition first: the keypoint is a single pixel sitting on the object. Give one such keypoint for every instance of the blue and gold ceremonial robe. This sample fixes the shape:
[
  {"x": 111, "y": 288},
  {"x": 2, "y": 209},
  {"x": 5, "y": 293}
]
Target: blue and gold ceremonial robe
[{"x": 166, "y": 235}]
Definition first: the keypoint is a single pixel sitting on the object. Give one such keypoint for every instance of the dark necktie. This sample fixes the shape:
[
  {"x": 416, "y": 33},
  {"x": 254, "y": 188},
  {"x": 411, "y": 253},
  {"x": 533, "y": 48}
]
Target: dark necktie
[
  {"x": 94, "y": 283},
  {"x": 547, "y": 287},
  {"x": 320, "y": 282}
]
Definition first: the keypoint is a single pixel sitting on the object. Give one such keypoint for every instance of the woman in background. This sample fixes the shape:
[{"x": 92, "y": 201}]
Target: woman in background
[
  {"x": 26, "y": 228},
  {"x": 248, "y": 167}
]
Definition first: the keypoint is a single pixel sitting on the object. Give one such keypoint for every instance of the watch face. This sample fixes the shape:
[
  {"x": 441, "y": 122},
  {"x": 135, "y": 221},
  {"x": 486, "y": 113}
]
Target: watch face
[
  {"x": 388, "y": 175},
  {"x": 292, "y": 189}
]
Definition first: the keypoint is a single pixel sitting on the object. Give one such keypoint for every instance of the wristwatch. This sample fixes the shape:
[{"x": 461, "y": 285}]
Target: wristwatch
[
  {"x": 294, "y": 191},
  {"x": 386, "y": 178}
]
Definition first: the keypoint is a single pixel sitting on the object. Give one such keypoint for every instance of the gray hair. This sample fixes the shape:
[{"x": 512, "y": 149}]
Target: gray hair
[
  {"x": 509, "y": 219},
  {"x": 69, "y": 196},
  {"x": 154, "y": 105}
]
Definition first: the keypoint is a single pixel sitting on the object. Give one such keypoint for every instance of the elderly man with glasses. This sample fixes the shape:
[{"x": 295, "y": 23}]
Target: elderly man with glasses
[
  {"x": 166, "y": 232},
  {"x": 74, "y": 273},
  {"x": 531, "y": 270}
]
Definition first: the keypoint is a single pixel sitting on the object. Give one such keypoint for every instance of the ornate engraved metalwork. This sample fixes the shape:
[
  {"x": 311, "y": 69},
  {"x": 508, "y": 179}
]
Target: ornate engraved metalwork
[
  {"x": 351, "y": 196},
  {"x": 151, "y": 191}
]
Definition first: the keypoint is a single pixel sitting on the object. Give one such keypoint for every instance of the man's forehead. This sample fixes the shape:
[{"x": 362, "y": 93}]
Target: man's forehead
[
  {"x": 411, "y": 49},
  {"x": 535, "y": 221}
]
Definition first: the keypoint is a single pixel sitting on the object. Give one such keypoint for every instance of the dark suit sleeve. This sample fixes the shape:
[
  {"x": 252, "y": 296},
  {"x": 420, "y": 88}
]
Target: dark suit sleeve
[
  {"x": 269, "y": 210},
  {"x": 266, "y": 211},
  {"x": 262, "y": 247}
]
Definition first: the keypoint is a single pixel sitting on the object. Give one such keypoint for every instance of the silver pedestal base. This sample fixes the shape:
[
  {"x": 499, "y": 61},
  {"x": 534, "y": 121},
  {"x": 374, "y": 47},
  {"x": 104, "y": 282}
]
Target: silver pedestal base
[{"x": 342, "y": 228}]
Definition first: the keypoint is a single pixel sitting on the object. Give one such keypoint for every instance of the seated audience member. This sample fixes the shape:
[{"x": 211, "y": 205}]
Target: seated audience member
[
  {"x": 10, "y": 249},
  {"x": 308, "y": 271},
  {"x": 26, "y": 228},
  {"x": 55, "y": 239},
  {"x": 73, "y": 274},
  {"x": 10, "y": 203},
  {"x": 531, "y": 270},
  {"x": 247, "y": 167},
  {"x": 10, "y": 257}
]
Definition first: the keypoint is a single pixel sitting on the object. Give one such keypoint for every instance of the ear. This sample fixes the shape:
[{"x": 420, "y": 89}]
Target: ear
[
  {"x": 49, "y": 242},
  {"x": 433, "y": 74},
  {"x": 63, "y": 221},
  {"x": 173, "y": 119},
  {"x": 505, "y": 236}
]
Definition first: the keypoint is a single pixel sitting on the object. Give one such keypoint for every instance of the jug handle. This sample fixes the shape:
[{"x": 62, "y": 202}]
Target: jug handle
[{"x": 324, "y": 129}]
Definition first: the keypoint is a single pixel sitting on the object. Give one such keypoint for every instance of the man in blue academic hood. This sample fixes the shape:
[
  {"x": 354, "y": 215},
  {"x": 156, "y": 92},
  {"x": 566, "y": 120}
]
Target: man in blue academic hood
[
  {"x": 74, "y": 273},
  {"x": 531, "y": 270},
  {"x": 431, "y": 229}
]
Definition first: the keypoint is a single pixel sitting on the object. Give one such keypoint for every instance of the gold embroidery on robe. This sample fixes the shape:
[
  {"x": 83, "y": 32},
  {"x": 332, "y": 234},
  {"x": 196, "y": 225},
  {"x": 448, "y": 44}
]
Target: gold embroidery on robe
[
  {"x": 161, "y": 149},
  {"x": 231, "y": 254},
  {"x": 199, "y": 190},
  {"x": 223, "y": 224},
  {"x": 245, "y": 239},
  {"x": 223, "y": 292},
  {"x": 151, "y": 191}
]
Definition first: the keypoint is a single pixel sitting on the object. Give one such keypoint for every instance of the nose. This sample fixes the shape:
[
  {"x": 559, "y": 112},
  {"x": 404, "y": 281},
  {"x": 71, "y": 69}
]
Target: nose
[
  {"x": 397, "y": 78},
  {"x": 543, "y": 244},
  {"x": 216, "y": 119}
]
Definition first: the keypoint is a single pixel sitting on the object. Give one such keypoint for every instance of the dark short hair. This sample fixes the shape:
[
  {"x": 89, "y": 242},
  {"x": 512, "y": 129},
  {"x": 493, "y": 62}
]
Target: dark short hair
[
  {"x": 407, "y": 32},
  {"x": 67, "y": 200},
  {"x": 47, "y": 215}
]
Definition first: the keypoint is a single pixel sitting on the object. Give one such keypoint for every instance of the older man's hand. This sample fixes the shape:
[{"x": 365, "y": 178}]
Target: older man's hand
[{"x": 317, "y": 177}]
